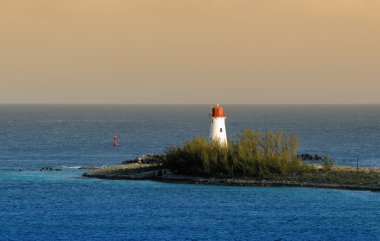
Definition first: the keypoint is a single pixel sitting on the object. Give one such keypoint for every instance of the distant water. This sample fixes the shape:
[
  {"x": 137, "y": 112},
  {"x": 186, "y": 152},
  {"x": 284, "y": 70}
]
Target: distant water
[{"x": 65, "y": 206}]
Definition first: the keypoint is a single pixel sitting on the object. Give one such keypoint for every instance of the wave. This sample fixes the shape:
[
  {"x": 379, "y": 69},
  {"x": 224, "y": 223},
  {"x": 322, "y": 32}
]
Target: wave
[{"x": 72, "y": 167}]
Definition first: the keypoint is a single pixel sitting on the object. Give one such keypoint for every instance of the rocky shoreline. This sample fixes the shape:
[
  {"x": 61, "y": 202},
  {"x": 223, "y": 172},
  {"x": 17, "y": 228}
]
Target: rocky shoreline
[
  {"x": 262, "y": 183},
  {"x": 340, "y": 177},
  {"x": 172, "y": 178}
]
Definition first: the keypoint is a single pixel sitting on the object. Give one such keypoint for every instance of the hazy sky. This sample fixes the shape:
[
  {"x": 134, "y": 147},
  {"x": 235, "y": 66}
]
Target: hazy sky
[{"x": 190, "y": 51}]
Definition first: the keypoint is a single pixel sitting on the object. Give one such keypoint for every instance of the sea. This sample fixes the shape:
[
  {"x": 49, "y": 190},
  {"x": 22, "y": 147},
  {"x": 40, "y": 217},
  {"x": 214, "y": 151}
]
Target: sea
[{"x": 63, "y": 205}]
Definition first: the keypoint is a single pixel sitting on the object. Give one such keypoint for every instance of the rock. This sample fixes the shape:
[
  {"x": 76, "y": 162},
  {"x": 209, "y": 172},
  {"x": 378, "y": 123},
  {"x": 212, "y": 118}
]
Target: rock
[
  {"x": 309, "y": 157},
  {"x": 316, "y": 157},
  {"x": 145, "y": 159},
  {"x": 143, "y": 175},
  {"x": 49, "y": 169},
  {"x": 159, "y": 173}
]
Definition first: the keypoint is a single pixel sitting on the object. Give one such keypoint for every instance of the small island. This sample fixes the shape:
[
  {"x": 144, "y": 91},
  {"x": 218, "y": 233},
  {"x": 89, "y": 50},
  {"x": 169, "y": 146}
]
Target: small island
[{"x": 256, "y": 159}]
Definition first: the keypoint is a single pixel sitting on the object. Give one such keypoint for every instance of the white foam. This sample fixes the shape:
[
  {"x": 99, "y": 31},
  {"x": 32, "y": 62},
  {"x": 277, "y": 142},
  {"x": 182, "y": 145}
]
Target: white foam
[{"x": 73, "y": 167}]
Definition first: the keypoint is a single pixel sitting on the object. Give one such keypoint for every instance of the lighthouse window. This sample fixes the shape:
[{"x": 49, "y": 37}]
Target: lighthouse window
[{"x": 221, "y": 129}]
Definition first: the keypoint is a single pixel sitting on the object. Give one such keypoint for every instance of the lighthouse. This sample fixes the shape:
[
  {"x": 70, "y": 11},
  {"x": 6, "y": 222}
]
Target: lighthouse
[{"x": 218, "y": 125}]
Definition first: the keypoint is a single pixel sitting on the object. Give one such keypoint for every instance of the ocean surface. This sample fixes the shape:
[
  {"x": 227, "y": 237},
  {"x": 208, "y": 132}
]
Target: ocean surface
[{"x": 64, "y": 205}]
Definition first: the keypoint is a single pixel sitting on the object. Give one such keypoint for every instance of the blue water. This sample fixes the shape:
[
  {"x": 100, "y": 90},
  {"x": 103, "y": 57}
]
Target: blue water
[{"x": 63, "y": 205}]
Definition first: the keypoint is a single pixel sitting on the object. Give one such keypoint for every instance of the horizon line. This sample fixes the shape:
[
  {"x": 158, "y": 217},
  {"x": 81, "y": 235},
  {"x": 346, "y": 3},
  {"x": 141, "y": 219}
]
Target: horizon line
[{"x": 42, "y": 103}]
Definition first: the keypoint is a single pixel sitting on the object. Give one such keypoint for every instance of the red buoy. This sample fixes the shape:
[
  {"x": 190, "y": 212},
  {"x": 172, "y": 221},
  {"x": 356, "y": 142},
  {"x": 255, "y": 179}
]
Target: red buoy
[{"x": 115, "y": 141}]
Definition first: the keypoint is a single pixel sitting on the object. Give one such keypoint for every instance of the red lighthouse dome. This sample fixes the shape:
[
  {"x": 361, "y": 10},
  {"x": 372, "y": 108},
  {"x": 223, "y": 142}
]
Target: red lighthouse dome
[{"x": 217, "y": 111}]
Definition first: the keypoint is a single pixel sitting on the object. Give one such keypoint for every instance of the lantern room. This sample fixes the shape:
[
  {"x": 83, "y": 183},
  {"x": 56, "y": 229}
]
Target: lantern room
[{"x": 217, "y": 111}]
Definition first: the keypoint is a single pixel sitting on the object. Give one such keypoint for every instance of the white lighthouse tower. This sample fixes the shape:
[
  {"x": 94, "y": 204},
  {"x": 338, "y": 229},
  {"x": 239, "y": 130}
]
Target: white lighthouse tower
[{"x": 218, "y": 125}]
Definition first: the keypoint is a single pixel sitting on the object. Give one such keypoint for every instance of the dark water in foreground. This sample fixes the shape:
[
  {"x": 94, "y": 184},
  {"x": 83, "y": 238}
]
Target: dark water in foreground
[{"x": 64, "y": 206}]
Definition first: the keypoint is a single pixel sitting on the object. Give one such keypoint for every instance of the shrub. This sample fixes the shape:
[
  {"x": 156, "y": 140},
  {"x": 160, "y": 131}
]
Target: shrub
[
  {"x": 253, "y": 155},
  {"x": 327, "y": 163}
]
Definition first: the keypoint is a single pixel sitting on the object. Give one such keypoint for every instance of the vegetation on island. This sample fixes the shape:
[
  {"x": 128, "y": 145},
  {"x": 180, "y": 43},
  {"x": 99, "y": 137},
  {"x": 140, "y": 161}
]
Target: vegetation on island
[
  {"x": 255, "y": 159},
  {"x": 253, "y": 155}
]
